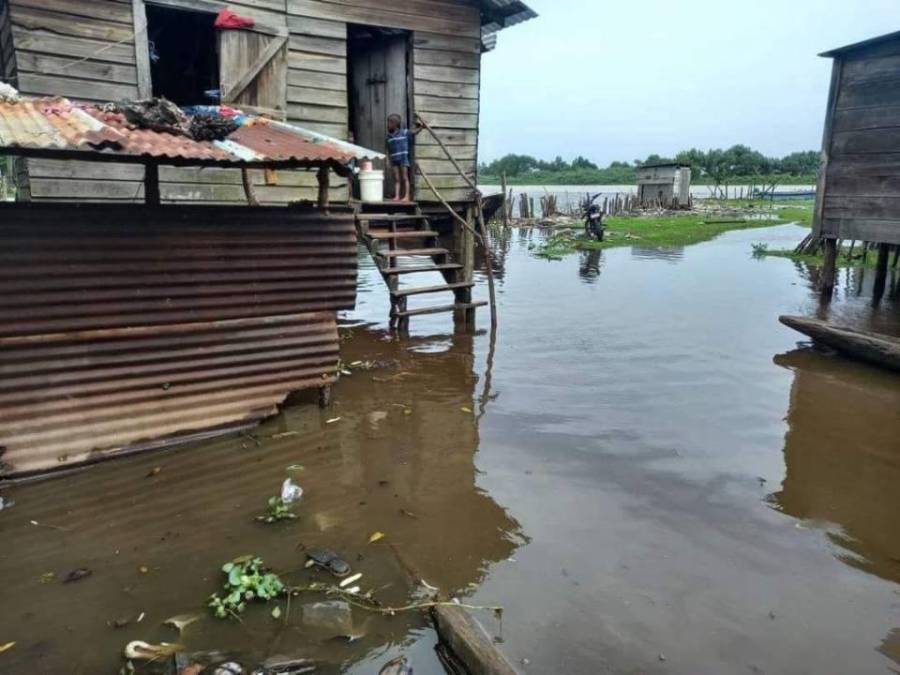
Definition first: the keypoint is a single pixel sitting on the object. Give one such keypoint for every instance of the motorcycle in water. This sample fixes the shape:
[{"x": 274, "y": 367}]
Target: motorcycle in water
[{"x": 593, "y": 217}]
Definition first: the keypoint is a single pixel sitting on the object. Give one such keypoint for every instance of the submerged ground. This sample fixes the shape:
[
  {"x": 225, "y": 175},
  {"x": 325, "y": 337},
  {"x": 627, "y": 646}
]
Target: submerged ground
[{"x": 651, "y": 478}]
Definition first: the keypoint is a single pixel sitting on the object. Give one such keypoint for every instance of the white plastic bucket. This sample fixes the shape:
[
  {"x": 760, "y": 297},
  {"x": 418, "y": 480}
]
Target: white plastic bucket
[{"x": 371, "y": 186}]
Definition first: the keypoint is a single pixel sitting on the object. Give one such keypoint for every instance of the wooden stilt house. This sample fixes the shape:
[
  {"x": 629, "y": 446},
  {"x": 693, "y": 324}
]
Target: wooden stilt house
[
  {"x": 858, "y": 192},
  {"x": 338, "y": 68}
]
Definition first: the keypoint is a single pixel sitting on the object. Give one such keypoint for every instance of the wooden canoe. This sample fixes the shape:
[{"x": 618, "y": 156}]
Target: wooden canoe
[{"x": 874, "y": 348}]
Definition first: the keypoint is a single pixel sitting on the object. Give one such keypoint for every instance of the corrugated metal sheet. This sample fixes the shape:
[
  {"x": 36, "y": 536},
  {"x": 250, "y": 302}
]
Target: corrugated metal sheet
[
  {"x": 119, "y": 325},
  {"x": 502, "y": 14},
  {"x": 58, "y": 127}
]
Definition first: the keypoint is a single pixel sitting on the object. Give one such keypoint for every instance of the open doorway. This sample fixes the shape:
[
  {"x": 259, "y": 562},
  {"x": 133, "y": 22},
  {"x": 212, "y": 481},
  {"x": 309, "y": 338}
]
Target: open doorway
[
  {"x": 378, "y": 75},
  {"x": 184, "y": 60}
]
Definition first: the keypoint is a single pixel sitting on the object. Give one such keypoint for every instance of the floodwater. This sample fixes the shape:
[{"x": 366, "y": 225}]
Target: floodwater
[{"x": 651, "y": 477}]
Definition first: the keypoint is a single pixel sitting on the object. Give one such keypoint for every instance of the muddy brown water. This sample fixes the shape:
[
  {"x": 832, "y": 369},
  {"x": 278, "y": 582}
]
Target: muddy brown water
[{"x": 653, "y": 477}]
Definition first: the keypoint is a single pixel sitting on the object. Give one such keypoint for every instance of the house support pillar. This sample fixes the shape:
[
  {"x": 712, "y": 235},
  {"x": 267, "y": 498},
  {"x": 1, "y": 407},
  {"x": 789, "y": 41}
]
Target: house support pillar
[
  {"x": 463, "y": 248},
  {"x": 829, "y": 269},
  {"x": 322, "y": 177},
  {"x": 881, "y": 270}
]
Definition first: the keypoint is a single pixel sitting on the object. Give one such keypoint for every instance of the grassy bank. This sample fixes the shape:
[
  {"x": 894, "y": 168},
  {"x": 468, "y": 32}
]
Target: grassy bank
[
  {"x": 844, "y": 258},
  {"x": 679, "y": 229}
]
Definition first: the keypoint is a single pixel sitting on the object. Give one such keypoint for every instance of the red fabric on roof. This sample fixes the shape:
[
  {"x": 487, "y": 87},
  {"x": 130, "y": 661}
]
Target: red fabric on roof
[{"x": 228, "y": 19}]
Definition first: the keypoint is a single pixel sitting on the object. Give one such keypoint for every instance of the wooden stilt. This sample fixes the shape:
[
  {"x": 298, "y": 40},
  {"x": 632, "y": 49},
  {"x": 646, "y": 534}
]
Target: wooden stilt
[
  {"x": 322, "y": 177},
  {"x": 325, "y": 396},
  {"x": 505, "y": 210},
  {"x": 249, "y": 192},
  {"x": 881, "y": 268},
  {"x": 829, "y": 268},
  {"x": 151, "y": 184}
]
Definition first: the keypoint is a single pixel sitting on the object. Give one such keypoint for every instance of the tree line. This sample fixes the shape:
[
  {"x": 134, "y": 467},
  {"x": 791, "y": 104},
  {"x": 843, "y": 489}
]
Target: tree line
[{"x": 738, "y": 163}]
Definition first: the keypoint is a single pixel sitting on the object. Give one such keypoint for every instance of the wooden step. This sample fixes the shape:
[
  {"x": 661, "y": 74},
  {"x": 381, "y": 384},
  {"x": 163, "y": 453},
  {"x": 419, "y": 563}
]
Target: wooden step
[
  {"x": 382, "y": 207},
  {"x": 400, "y": 252},
  {"x": 414, "y": 270},
  {"x": 406, "y": 292},
  {"x": 408, "y": 234},
  {"x": 390, "y": 217},
  {"x": 440, "y": 309}
]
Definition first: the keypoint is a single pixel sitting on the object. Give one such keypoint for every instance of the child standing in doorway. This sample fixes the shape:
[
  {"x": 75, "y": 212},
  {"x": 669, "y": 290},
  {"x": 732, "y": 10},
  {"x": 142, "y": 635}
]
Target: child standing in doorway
[{"x": 398, "y": 142}]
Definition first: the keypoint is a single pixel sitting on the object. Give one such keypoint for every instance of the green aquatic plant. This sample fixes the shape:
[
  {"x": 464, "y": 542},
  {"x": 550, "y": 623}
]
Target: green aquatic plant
[
  {"x": 247, "y": 579},
  {"x": 276, "y": 510},
  {"x": 760, "y": 249}
]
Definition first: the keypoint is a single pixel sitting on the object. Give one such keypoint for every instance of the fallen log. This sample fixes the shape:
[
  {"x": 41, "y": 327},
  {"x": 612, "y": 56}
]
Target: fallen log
[
  {"x": 874, "y": 348},
  {"x": 468, "y": 641}
]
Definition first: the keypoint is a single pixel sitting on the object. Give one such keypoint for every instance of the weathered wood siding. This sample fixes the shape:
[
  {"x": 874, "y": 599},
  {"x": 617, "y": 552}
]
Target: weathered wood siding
[
  {"x": 85, "y": 49},
  {"x": 860, "y": 187},
  {"x": 7, "y": 51},
  {"x": 446, "y": 70}
]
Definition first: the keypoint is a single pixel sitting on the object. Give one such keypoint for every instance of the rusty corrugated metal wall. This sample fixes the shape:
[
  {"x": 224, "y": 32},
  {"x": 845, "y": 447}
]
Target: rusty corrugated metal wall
[{"x": 120, "y": 326}]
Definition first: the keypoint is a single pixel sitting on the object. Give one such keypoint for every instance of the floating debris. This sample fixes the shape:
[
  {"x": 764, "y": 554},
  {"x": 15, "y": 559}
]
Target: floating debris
[
  {"x": 333, "y": 616},
  {"x": 333, "y": 420},
  {"x": 398, "y": 666},
  {"x": 6, "y": 646},
  {"x": 181, "y": 621},
  {"x": 144, "y": 651},
  {"x": 376, "y": 536},
  {"x": 328, "y": 560},
  {"x": 349, "y": 580},
  {"x": 290, "y": 491},
  {"x": 77, "y": 575}
]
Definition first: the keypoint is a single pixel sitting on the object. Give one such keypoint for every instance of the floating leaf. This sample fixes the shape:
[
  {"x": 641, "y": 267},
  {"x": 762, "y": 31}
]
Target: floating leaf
[
  {"x": 376, "y": 536},
  {"x": 276, "y": 613},
  {"x": 5, "y": 647}
]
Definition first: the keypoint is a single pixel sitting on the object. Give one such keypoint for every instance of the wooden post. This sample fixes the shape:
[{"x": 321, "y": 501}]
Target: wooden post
[
  {"x": 464, "y": 254},
  {"x": 829, "y": 267},
  {"x": 151, "y": 184},
  {"x": 881, "y": 268},
  {"x": 325, "y": 396},
  {"x": 322, "y": 177},
  {"x": 505, "y": 209},
  {"x": 249, "y": 192}
]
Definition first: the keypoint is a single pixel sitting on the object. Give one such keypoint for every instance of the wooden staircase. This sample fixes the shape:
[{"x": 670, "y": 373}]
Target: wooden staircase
[{"x": 396, "y": 233}]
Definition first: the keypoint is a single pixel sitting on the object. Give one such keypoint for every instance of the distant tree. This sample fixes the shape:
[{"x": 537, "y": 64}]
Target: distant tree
[
  {"x": 801, "y": 163},
  {"x": 583, "y": 163}
]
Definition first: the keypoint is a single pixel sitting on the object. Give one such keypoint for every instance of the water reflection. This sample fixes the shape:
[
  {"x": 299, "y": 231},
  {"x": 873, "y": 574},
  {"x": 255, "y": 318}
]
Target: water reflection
[
  {"x": 590, "y": 265},
  {"x": 842, "y": 459},
  {"x": 399, "y": 457},
  {"x": 671, "y": 254}
]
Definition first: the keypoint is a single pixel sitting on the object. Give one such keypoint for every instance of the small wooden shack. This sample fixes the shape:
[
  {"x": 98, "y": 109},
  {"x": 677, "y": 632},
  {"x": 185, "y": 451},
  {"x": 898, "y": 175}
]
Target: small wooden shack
[
  {"x": 666, "y": 184},
  {"x": 130, "y": 326},
  {"x": 339, "y": 68},
  {"x": 858, "y": 192}
]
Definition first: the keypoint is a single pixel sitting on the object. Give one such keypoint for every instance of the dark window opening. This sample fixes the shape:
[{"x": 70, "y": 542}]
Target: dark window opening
[{"x": 184, "y": 60}]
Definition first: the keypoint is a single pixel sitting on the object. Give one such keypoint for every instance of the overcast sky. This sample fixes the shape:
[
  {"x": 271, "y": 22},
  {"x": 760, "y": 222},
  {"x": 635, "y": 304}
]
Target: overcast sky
[{"x": 618, "y": 80}]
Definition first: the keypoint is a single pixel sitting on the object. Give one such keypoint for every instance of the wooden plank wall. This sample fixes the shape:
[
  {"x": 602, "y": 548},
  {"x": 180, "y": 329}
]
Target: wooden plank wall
[
  {"x": 84, "y": 49},
  {"x": 862, "y": 182},
  {"x": 7, "y": 51}
]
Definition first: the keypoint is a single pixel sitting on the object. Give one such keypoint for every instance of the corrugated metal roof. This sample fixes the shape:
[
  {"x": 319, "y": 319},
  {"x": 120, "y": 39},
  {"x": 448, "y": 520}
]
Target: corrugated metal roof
[
  {"x": 58, "y": 127},
  {"x": 500, "y": 14},
  {"x": 840, "y": 51}
]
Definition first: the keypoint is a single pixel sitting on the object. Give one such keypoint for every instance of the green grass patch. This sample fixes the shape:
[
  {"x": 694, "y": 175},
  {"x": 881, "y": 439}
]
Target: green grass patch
[
  {"x": 844, "y": 259},
  {"x": 677, "y": 229}
]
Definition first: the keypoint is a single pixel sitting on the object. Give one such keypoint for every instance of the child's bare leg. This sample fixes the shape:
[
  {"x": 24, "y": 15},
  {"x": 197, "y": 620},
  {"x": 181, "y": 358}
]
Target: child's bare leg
[
  {"x": 398, "y": 172},
  {"x": 406, "y": 179}
]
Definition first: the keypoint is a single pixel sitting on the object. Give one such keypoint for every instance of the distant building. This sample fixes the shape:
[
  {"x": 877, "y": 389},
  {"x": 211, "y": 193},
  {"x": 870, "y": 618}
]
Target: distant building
[
  {"x": 858, "y": 192},
  {"x": 666, "y": 183}
]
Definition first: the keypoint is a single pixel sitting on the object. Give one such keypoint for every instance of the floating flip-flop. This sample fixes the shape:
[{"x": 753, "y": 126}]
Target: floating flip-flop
[{"x": 328, "y": 560}]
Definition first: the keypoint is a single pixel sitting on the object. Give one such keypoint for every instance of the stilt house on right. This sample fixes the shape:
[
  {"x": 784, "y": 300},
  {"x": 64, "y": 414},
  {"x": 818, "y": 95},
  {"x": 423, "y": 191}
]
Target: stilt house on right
[{"x": 858, "y": 192}]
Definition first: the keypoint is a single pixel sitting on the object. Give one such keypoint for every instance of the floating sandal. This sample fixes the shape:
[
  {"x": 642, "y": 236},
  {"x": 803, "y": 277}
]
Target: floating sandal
[{"x": 327, "y": 560}]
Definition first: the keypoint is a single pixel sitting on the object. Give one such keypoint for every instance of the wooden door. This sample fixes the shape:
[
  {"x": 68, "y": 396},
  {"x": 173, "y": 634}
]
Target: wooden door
[
  {"x": 379, "y": 87},
  {"x": 253, "y": 70}
]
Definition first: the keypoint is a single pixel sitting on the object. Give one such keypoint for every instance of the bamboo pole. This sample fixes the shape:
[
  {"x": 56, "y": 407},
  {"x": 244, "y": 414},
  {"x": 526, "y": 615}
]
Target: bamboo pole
[
  {"x": 249, "y": 192},
  {"x": 505, "y": 211}
]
